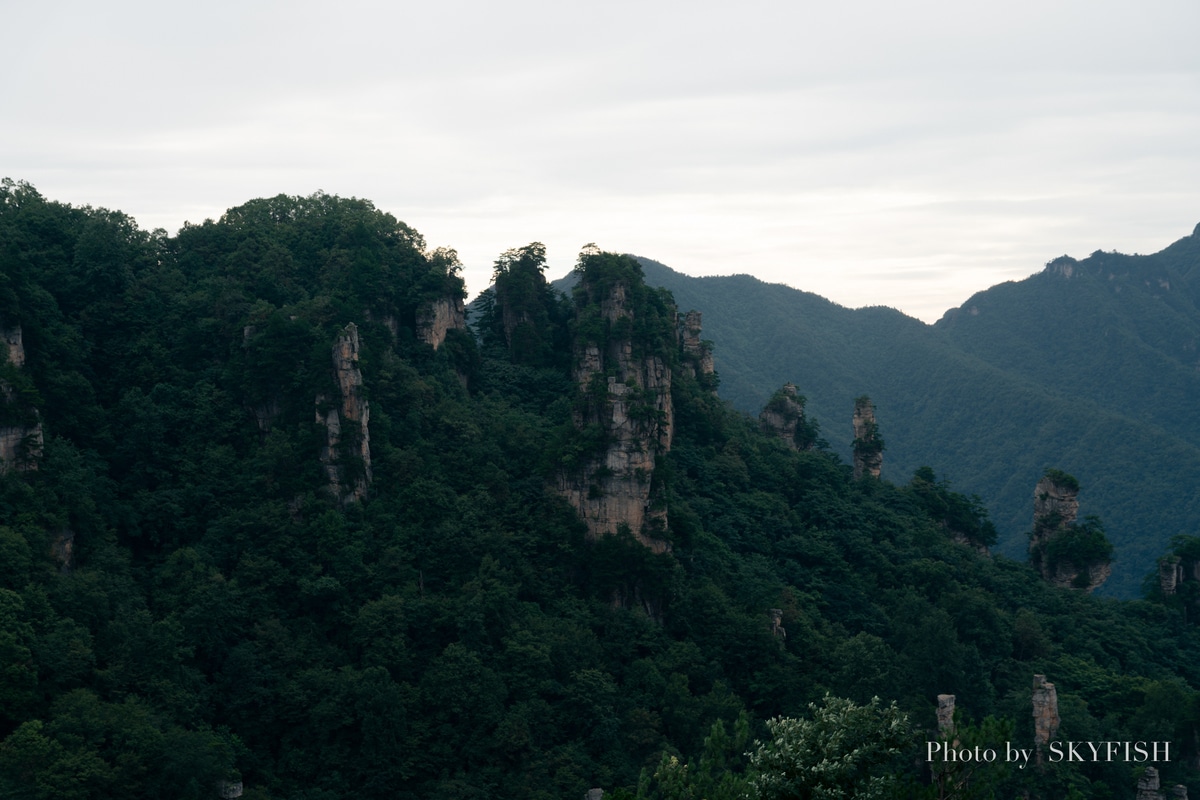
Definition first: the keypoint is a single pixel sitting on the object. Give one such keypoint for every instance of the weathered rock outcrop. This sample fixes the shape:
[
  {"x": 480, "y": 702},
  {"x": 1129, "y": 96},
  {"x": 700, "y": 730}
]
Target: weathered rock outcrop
[
  {"x": 229, "y": 790},
  {"x": 14, "y": 345},
  {"x": 697, "y": 354},
  {"x": 777, "y": 629},
  {"x": 1170, "y": 574},
  {"x": 1148, "y": 787},
  {"x": 945, "y": 715},
  {"x": 1055, "y": 509},
  {"x": 346, "y": 454},
  {"x": 625, "y": 402},
  {"x": 1175, "y": 570},
  {"x": 783, "y": 416},
  {"x": 20, "y": 447},
  {"x": 20, "y": 443},
  {"x": 1045, "y": 714},
  {"x": 868, "y": 444},
  {"x": 1055, "y": 503},
  {"x": 438, "y": 318},
  {"x": 62, "y": 547}
]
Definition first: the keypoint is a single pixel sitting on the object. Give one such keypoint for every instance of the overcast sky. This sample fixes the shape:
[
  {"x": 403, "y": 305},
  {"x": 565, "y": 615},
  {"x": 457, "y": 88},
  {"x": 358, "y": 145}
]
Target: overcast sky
[{"x": 891, "y": 153}]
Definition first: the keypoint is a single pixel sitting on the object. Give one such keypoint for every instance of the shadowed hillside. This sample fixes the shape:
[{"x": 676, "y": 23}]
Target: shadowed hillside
[
  {"x": 274, "y": 524},
  {"x": 1090, "y": 366}
]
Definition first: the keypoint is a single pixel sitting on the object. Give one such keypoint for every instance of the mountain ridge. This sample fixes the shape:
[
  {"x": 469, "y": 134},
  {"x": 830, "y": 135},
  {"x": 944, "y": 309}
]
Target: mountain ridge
[{"x": 1015, "y": 340}]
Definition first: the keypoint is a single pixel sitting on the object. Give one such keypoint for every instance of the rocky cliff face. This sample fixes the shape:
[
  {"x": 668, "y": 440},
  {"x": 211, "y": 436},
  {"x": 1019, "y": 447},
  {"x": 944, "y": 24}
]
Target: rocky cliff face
[
  {"x": 20, "y": 447},
  {"x": 21, "y": 443},
  {"x": 1055, "y": 509},
  {"x": 440, "y": 317},
  {"x": 868, "y": 444},
  {"x": 626, "y": 399},
  {"x": 783, "y": 415},
  {"x": 345, "y": 420}
]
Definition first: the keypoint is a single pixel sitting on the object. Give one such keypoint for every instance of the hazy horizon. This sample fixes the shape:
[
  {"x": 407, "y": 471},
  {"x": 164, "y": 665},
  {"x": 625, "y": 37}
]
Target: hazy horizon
[{"x": 875, "y": 155}]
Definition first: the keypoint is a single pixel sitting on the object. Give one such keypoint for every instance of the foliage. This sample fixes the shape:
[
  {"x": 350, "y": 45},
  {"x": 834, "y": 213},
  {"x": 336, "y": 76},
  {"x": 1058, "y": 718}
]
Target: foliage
[
  {"x": 1060, "y": 478},
  {"x": 965, "y": 516},
  {"x": 984, "y": 399},
  {"x": 790, "y": 407},
  {"x": 523, "y": 313},
  {"x": 649, "y": 321},
  {"x": 1080, "y": 545},
  {"x": 868, "y": 442},
  {"x": 842, "y": 751},
  {"x": 958, "y": 778},
  {"x": 182, "y": 602},
  {"x": 714, "y": 777}
]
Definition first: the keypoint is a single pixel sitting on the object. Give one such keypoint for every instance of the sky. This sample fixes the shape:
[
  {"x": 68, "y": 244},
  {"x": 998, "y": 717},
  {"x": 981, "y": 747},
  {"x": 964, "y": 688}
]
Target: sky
[{"x": 906, "y": 154}]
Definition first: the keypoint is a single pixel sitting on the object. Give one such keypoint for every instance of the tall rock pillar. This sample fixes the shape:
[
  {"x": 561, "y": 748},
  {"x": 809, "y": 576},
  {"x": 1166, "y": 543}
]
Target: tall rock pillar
[
  {"x": 625, "y": 401},
  {"x": 21, "y": 439},
  {"x": 697, "y": 354},
  {"x": 1045, "y": 713},
  {"x": 868, "y": 444},
  {"x": 346, "y": 423},
  {"x": 1064, "y": 553},
  {"x": 783, "y": 417}
]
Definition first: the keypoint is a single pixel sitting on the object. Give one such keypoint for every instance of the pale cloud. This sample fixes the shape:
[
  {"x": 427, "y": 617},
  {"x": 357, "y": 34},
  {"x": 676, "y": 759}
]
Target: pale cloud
[{"x": 876, "y": 153}]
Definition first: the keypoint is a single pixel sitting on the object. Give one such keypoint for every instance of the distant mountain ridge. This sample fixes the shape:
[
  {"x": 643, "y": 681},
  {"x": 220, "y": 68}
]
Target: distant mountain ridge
[{"x": 1091, "y": 366}]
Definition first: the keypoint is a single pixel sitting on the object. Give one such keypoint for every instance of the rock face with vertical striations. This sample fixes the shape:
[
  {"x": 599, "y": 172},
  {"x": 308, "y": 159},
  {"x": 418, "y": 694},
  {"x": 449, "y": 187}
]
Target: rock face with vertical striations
[
  {"x": 20, "y": 447},
  {"x": 21, "y": 438},
  {"x": 1170, "y": 573},
  {"x": 440, "y": 317},
  {"x": 1149, "y": 787},
  {"x": 1175, "y": 570},
  {"x": 346, "y": 454},
  {"x": 623, "y": 412},
  {"x": 868, "y": 444}
]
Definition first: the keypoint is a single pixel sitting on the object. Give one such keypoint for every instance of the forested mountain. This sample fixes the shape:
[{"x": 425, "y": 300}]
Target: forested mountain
[
  {"x": 1090, "y": 366},
  {"x": 275, "y": 524}
]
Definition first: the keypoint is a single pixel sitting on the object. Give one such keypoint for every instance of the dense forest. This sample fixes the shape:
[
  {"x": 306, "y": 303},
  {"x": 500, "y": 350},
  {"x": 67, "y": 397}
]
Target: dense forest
[
  {"x": 275, "y": 523},
  {"x": 1086, "y": 366}
]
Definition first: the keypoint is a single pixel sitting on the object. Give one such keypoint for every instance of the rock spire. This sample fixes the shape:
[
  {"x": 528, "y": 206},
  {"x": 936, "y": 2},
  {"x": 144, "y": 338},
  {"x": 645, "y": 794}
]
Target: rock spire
[
  {"x": 783, "y": 415},
  {"x": 868, "y": 444},
  {"x": 21, "y": 440},
  {"x": 1045, "y": 711},
  {"x": 346, "y": 423},
  {"x": 697, "y": 354},
  {"x": 625, "y": 401},
  {"x": 1065, "y": 553}
]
